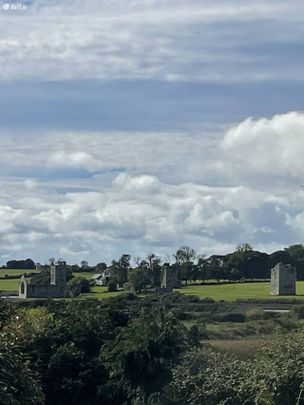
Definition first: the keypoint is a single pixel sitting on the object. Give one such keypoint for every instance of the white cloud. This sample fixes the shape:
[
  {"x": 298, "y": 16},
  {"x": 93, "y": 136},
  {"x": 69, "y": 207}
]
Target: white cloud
[
  {"x": 271, "y": 147},
  {"x": 108, "y": 193}
]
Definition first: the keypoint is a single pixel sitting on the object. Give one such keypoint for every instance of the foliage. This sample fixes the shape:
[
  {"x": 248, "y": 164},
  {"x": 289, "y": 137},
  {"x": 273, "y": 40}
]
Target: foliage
[
  {"x": 100, "y": 267},
  {"x": 78, "y": 285},
  {"x": 132, "y": 350},
  {"x": 112, "y": 285},
  {"x": 185, "y": 254},
  {"x": 21, "y": 264},
  {"x": 141, "y": 355},
  {"x": 205, "y": 377},
  {"x": 139, "y": 279},
  {"x": 120, "y": 269},
  {"x": 18, "y": 384},
  {"x": 298, "y": 311},
  {"x": 274, "y": 377}
]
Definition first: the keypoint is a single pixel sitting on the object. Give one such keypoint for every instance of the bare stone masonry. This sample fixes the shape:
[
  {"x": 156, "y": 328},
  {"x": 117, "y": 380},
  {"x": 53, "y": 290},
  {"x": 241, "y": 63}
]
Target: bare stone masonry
[
  {"x": 56, "y": 289},
  {"x": 283, "y": 280},
  {"x": 169, "y": 279}
]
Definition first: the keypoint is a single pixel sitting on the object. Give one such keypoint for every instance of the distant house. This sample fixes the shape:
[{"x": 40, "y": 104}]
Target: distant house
[{"x": 102, "y": 278}]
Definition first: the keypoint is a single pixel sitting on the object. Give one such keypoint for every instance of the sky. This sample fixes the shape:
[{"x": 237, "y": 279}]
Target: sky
[{"x": 139, "y": 126}]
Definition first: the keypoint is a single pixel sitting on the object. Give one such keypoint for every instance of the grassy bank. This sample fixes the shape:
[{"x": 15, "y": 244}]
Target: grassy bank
[{"x": 232, "y": 292}]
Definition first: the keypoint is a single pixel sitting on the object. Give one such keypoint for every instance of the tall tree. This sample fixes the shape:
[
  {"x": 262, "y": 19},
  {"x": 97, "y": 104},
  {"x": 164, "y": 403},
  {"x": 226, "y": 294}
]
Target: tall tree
[{"x": 185, "y": 254}]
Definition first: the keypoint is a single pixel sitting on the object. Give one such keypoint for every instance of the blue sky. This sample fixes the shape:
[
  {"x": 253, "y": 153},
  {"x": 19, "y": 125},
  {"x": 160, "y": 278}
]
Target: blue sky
[{"x": 140, "y": 126}]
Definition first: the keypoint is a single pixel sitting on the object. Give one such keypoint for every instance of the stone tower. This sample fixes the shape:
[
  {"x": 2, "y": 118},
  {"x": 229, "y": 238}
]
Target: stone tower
[
  {"x": 283, "y": 280},
  {"x": 58, "y": 274},
  {"x": 169, "y": 278}
]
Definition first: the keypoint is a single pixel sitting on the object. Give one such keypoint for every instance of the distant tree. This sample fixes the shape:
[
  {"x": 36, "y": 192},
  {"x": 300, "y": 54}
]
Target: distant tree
[
  {"x": 139, "y": 279},
  {"x": 215, "y": 269},
  {"x": 100, "y": 267},
  {"x": 84, "y": 265},
  {"x": 282, "y": 256},
  {"x": 184, "y": 258},
  {"x": 21, "y": 264},
  {"x": 77, "y": 286},
  {"x": 244, "y": 247},
  {"x": 155, "y": 268},
  {"x": 202, "y": 268},
  {"x": 185, "y": 255},
  {"x": 297, "y": 253},
  {"x": 120, "y": 269}
]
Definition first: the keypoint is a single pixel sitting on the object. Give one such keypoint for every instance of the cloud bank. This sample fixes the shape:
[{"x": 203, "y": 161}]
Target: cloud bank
[
  {"x": 97, "y": 195},
  {"x": 170, "y": 40}
]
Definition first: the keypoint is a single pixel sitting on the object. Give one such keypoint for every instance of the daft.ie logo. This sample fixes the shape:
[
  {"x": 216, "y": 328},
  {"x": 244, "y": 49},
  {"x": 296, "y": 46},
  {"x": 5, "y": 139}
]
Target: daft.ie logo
[{"x": 13, "y": 5}]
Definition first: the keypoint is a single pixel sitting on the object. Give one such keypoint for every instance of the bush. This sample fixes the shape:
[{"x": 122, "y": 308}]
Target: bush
[
  {"x": 255, "y": 314},
  {"x": 78, "y": 285},
  {"x": 112, "y": 286},
  {"x": 298, "y": 311},
  {"x": 232, "y": 317}
]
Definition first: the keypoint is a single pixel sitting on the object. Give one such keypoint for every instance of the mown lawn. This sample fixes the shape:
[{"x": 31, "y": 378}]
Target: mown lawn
[
  {"x": 15, "y": 272},
  {"x": 232, "y": 292},
  {"x": 101, "y": 292},
  {"x": 9, "y": 285},
  {"x": 87, "y": 275}
]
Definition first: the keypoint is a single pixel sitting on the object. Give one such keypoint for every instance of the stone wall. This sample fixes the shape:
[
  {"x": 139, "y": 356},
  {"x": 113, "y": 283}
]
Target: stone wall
[
  {"x": 283, "y": 280},
  {"x": 169, "y": 279}
]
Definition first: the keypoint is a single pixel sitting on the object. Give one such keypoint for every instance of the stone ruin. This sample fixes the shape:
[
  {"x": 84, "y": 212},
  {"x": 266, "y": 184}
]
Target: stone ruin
[
  {"x": 283, "y": 280},
  {"x": 56, "y": 289},
  {"x": 169, "y": 279}
]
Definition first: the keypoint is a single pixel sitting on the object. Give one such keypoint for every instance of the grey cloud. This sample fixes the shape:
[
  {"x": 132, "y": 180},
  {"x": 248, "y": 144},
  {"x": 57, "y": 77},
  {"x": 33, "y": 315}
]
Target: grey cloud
[{"x": 164, "y": 40}]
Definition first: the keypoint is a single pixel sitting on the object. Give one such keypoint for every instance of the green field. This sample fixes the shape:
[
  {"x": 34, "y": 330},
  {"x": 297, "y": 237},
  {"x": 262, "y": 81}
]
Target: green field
[
  {"x": 13, "y": 285},
  {"x": 232, "y": 292},
  {"x": 87, "y": 275},
  {"x": 9, "y": 285},
  {"x": 15, "y": 272},
  {"x": 101, "y": 292},
  {"x": 228, "y": 292}
]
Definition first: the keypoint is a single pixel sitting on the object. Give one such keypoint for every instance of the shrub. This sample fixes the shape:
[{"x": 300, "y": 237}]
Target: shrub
[
  {"x": 112, "y": 285},
  {"x": 298, "y": 311},
  {"x": 78, "y": 285},
  {"x": 255, "y": 314},
  {"x": 232, "y": 317}
]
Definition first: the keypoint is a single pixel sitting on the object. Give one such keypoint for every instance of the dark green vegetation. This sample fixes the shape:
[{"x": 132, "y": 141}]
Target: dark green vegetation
[{"x": 168, "y": 349}]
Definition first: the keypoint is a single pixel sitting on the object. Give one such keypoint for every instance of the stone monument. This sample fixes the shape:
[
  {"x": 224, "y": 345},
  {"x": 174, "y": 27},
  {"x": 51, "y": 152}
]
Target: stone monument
[
  {"x": 169, "y": 279},
  {"x": 56, "y": 289},
  {"x": 283, "y": 279}
]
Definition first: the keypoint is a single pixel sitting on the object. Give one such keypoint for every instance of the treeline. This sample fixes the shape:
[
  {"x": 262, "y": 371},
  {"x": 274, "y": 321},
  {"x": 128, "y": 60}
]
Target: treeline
[
  {"x": 242, "y": 265},
  {"x": 27, "y": 264}
]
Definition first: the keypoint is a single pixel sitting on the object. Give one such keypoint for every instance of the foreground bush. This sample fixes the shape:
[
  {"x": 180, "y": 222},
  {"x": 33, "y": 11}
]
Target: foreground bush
[
  {"x": 274, "y": 377},
  {"x": 18, "y": 384}
]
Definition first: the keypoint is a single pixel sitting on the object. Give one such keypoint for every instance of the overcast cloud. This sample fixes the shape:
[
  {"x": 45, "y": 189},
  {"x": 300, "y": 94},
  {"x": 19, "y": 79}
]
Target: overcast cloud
[{"x": 140, "y": 126}]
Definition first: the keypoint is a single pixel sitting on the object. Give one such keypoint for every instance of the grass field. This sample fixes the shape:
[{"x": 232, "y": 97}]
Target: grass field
[
  {"x": 228, "y": 292},
  {"x": 13, "y": 285},
  {"x": 101, "y": 292},
  {"x": 232, "y": 292},
  {"x": 9, "y": 285},
  {"x": 15, "y": 272},
  {"x": 87, "y": 275}
]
